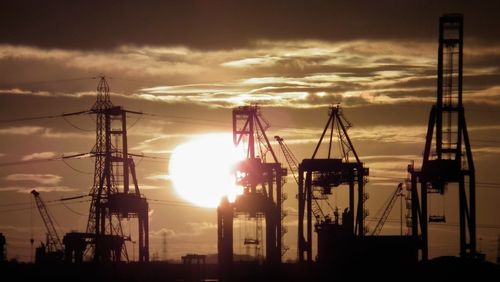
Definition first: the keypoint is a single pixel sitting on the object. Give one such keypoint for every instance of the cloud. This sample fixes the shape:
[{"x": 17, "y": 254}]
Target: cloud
[
  {"x": 150, "y": 187},
  {"x": 382, "y": 134},
  {"x": 390, "y": 157},
  {"x": 28, "y": 189},
  {"x": 201, "y": 226},
  {"x": 296, "y": 74},
  {"x": 486, "y": 150},
  {"x": 158, "y": 177},
  {"x": 194, "y": 229},
  {"x": 39, "y": 155},
  {"x": 251, "y": 62},
  {"x": 21, "y": 130},
  {"x": 170, "y": 233},
  {"x": 231, "y": 24},
  {"x": 151, "y": 144},
  {"x": 44, "y": 132},
  {"x": 52, "y": 133},
  {"x": 489, "y": 95},
  {"x": 24, "y": 92},
  {"x": 389, "y": 134},
  {"x": 39, "y": 178}
]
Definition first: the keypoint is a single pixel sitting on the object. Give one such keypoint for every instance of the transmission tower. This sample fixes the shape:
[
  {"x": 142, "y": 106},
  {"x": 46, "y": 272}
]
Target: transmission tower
[
  {"x": 164, "y": 245},
  {"x": 111, "y": 200},
  {"x": 104, "y": 181},
  {"x": 102, "y": 103}
]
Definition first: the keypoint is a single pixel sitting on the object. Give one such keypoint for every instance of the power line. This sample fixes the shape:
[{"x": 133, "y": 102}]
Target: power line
[
  {"x": 183, "y": 119},
  {"x": 62, "y": 157},
  {"x": 75, "y": 126},
  {"x": 452, "y": 224},
  {"x": 43, "y": 117},
  {"x": 72, "y": 210},
  {"x": 484, "y": 184},
  {"x": 73, "y": 198},
  {"x": 76, "y": 156},
  {"x": 28, "y": 162},
  {"x": 148, "y": 157},
  {"x": 50, "y": 201},
  {"x": 75, "y": 169},
  {"x": 135, "y": 122},
  {"x": 29, "y": 118},
  {"x": 52, "y": 204}
]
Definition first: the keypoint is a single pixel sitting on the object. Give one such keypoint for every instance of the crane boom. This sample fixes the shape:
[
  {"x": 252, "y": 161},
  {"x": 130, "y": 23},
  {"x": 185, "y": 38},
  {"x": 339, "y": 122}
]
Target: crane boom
[
  {"x": 388, "y": 209},
  {"x": 293, "y": 164},
  {"x": 53, "y": 241}
]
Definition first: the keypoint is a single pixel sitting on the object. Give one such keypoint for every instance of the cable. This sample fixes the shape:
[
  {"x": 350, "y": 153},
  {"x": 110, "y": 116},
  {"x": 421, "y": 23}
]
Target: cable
[
  {"x": 77, "y": 156},
  {"x": 51, "y": 201},
  {"x": 139, "y": 162},
  {"x": 29, "y": 118},
  {"x": 73, "y": 211},
  {"x": 148, "y": 157},
  {"x": 43, "y": 117},
  {"x": 62, "y": 157},
  {"x": 28, "y": 162},
  {"x": 135, "y": 122},
  {"x": 494, "y": 185},
  {"x": 185, "y": 118},
  {"x": 75, "y": 126},
  {"x": 54, "y": 204},
  {"x": 74, "y": 197},
  {"x": 75, "y": 169},
  {"x": 450, "y": 224}
]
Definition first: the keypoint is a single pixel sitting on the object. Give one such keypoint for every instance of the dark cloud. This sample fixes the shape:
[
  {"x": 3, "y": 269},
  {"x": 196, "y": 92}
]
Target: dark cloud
[{"x": 228, "y": 24}]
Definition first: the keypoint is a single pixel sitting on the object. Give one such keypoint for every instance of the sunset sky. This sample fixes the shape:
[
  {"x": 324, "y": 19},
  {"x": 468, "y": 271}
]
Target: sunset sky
[{"x": 190, "y": 62}]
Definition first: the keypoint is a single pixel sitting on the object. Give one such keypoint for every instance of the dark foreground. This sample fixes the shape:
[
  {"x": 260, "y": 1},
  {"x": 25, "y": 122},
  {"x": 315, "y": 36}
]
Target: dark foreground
[{"x": 450, "y": 268}]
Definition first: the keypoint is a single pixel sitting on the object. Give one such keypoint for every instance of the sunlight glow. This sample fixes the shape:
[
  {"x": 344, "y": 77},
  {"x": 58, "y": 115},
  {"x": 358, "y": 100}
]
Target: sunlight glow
[{"x": 202, "y": 169}]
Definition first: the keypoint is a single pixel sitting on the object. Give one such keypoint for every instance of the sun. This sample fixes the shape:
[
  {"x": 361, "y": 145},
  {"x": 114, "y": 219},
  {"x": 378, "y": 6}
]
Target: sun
[{"x": 202, "y": 169}]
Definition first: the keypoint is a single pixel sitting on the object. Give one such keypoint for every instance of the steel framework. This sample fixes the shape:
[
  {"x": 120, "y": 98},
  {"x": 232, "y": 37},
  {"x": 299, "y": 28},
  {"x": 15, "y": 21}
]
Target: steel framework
[
  {"x": 447, "y": 154},
  {"x": 111, "y": 200},
  {"x": 262, "y": 184},
  {"x": 53, "y": 242},
  {"x": 317, "y": 177}
]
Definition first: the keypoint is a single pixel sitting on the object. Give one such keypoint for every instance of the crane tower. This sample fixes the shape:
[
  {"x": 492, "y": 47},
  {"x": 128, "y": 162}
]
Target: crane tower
[{"x": 447, "y": 154}]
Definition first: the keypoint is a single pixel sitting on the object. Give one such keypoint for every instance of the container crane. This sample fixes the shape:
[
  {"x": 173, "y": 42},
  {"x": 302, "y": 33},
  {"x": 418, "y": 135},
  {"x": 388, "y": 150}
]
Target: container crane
[
  {"x": 318, "y": 177},
  {"x": 262, "y": 180},
  {"x": 53, "y": 248}
]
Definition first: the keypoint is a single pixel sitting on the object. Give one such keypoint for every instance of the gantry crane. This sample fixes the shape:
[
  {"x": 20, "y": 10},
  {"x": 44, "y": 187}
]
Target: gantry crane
[
  {"x": 53, "y": 247},
  {"x": 447, "y": 159},
  {"x": 317, "y": 178},
  {"x": 262, "y": 187}
]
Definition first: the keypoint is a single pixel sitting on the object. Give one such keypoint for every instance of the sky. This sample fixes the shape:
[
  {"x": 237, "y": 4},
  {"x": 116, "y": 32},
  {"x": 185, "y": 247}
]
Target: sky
[{"x": 190, "y": 62}]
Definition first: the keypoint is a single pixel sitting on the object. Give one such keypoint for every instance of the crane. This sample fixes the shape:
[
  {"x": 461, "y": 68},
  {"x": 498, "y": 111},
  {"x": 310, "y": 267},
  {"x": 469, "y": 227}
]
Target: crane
[
  {"x": 293, "y": 164},
  {"x": 53, "y": 243},
  {"x": 388, "y": 208}
]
